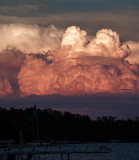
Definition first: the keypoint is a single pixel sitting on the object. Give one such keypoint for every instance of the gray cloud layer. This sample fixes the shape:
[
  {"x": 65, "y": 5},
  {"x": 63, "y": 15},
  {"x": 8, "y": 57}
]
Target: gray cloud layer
[
  {"x": 117, "y": 15},
  {"x": 126, "y": 24}
]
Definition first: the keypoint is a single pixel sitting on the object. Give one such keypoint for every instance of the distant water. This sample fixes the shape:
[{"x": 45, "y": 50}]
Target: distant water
[{"x": 120, "y": 151}]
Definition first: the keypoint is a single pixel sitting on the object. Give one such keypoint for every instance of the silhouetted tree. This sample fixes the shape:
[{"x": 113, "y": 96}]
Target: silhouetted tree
[{"x": 56, "y": 125}]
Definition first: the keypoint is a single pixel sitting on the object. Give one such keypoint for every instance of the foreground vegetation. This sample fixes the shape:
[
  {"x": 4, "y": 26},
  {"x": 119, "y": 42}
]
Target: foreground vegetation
[{"x": 48, "y": 124}]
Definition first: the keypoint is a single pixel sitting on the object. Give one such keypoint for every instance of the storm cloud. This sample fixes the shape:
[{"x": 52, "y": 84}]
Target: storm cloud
[{"x": 47, "y": 61}]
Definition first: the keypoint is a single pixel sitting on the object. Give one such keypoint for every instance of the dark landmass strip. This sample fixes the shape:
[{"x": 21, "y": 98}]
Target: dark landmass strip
[{"x": 53, "y": 125}]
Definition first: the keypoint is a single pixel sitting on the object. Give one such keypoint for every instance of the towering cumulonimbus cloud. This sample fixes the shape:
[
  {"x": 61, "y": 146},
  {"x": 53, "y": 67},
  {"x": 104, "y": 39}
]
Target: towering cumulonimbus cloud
[
  {"x": 106, "y": 43},
  {"x": 50, "y": 61},
  {"x": 101, "y": 75},
  {"x": 74, "y": 38}
]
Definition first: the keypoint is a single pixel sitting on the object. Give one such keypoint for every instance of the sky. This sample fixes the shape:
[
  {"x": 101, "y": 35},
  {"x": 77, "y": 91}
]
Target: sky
[
  {"x": 90, "y": 15},
  {"x": 71, "y": 52}
]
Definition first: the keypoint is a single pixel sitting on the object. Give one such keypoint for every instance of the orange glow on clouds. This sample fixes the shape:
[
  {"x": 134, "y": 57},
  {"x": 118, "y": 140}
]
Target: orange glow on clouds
[{"x": 76, "y": 67}]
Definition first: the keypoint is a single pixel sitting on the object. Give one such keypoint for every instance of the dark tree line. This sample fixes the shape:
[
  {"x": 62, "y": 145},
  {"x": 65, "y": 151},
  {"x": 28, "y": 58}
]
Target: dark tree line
[{"x": 48, "y": 124}]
